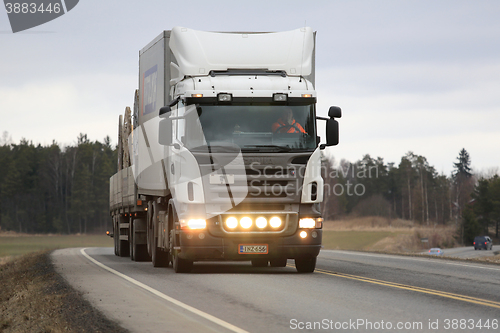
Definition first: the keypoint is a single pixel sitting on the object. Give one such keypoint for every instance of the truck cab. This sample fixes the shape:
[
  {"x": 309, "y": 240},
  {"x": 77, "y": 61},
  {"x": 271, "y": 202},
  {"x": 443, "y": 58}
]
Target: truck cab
[{"x": 231, "y": 164}]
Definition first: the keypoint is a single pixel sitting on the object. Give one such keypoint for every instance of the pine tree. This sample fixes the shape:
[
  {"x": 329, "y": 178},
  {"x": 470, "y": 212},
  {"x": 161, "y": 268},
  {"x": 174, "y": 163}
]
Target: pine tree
[
  {"x": 471, "y": 227},
  {"x": 462, "y": 167}
]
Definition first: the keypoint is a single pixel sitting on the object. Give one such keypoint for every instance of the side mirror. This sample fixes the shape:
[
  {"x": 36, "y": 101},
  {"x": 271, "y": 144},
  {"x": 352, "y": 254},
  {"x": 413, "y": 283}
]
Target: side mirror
[
  {"x": 332, "y": 131},
  {"x": 335, "y": 112},
  {"x": 164, "y": 111},
  {"x": 165, "y": 130}
]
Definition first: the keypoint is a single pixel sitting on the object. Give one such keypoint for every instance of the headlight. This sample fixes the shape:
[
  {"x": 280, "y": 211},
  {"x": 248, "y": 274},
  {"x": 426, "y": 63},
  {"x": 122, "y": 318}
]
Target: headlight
[
  {"x": 275, "y": 222},
  {"x": 197, "y": 224},
  {"x": 310, "y": 223},
  {"x": 307, "y": 223},
  {"x": 246, "y": 222},
  {"x": 303, "y": 234}
]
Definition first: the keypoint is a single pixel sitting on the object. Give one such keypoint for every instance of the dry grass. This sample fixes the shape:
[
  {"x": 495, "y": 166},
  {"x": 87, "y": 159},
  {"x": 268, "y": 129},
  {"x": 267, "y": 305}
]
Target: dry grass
[
  {"x": 14, "y": 244},
  {"x": 491, "y": 260},
  {"x": 385, "y": 235},
  {"x": 368, "y": 223},
  {"x": 34, "y": 298}
]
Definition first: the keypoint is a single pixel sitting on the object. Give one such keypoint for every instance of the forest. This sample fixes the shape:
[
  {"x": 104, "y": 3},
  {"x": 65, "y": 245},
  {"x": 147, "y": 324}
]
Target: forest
[
  {"x": 413, "y": 190},
  {"x": 65, "y": 189},
  {"x": 54, "y": 189}
]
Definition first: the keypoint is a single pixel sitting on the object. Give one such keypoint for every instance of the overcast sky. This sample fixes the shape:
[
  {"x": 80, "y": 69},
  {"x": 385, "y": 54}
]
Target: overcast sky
[{"x": 421, "y": 76}]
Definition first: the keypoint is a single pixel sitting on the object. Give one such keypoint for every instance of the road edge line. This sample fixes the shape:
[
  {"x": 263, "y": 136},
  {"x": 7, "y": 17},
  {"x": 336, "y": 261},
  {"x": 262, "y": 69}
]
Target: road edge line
[{"x": 155, "y": 292}]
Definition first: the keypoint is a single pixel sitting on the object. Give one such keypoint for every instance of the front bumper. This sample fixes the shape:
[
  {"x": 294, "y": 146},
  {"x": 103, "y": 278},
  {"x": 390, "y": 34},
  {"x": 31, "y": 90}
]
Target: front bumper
[{"x": 201, "y": 245}]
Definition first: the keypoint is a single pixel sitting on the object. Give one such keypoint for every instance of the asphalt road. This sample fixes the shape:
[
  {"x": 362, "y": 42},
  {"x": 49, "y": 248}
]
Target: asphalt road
[{"x": 350, "y": 291}]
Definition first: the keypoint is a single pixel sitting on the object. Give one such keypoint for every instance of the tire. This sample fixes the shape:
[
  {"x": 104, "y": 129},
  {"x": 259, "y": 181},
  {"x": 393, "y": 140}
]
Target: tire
[
  {"x": 159, "y": 258},
  {"x": 123, "y": 250},
  {"x": 259, "y": 262},
  {"x": 131, "y": 239},
  {"x": 178, "y": 264},
  {"x": 279, "y": 262},
  {"x": 115, "y": 236},
  {"x": 149, "y": 229},
  {"x": 305, "y": 265},
  {"x": 123, "y": 245},
  {"x": 140, "y": 250}
]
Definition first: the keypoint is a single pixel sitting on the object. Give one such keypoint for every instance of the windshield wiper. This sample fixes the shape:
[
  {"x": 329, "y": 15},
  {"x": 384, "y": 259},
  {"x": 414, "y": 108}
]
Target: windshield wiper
[
  {"x": 266, "y": 147},
  {"x": 215, "y": 148}
]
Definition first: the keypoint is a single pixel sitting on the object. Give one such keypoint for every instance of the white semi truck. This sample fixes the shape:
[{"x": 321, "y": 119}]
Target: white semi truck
[{"x": 219, "y": 158}]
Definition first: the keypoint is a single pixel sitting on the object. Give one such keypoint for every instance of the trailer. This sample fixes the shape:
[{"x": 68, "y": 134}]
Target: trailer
[{"x": 219, "y": 160}]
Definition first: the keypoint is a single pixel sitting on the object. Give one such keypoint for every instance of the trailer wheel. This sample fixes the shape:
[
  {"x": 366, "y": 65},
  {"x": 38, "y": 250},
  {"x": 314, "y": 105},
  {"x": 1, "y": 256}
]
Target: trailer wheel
[
  {"x": 279, "y": 262},
  {"x": 149, "y": 229},
  {"x": 131, "y": 239},
  {"x": 116, "y": 235},
  {"x": 123, "y": 245},
  {"x": 140, "y": 250},
  {"x": 179, "y": 265},
  {"x": 123, "y": 248},
  {"x": 305, "y": 265},
  {"x": 259, "y": 262}
]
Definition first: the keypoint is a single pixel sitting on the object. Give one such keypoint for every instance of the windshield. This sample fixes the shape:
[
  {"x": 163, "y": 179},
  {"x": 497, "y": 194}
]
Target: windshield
[{"x": 253, "y": 127}]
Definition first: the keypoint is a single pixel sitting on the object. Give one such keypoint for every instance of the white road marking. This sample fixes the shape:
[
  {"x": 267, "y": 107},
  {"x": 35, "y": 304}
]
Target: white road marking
[
  {"x": 200, "y": 313},
  {"x": 406, "y": 258}
]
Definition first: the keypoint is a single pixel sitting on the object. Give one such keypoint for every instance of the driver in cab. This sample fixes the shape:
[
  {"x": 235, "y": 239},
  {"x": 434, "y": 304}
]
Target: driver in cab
[{"x": 287, "y": 124}]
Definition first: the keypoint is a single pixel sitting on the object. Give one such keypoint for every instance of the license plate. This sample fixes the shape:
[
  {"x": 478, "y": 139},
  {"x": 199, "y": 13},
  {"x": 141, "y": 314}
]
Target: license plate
[
  {"x": 218, "y": 179},
  {"x": 253, "y": 249}
]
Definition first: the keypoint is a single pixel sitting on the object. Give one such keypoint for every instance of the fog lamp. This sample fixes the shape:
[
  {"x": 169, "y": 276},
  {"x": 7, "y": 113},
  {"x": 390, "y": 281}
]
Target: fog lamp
[
  {"x": 246, "y": 222},
  {"x": 275, "y": 222},
  {"x": 232, "y": 222},
  {"x": 261, "y": 222}
]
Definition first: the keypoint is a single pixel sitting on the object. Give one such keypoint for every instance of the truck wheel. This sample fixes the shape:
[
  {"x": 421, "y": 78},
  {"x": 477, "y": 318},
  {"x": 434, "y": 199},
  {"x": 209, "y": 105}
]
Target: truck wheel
[
  {"x": 259, "y": 262},
  {"x": 140, "y": 250},
  {"x": 179, "y": 265},
  {"x": 123, "y": 245},
  {"x": 149, "y": 229},
  {"x": 123, "y": 249},
  {"x": 131, "y": 239},
  {"x": 305, "y": 265},
  {"x": 280, "y": 262},
  {"x": 159, "y": 257},
  {"x": 115, "y": 236}
]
